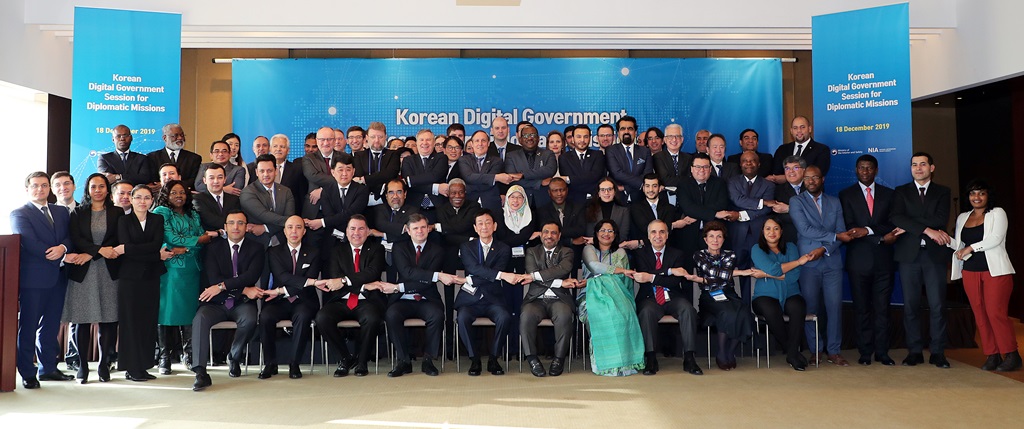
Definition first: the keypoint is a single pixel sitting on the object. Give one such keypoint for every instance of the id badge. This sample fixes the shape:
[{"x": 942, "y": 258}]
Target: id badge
[
  {"x": 340, "y": 235},
  {"x": 518, "y": 252},
  {"x": 719, "y": 295},
  {"x": 387, "y": 245},
  {"x": 469, "y": 289}
]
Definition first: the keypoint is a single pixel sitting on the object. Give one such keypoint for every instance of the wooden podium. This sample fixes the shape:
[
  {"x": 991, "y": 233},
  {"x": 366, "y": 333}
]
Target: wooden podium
[{"x": 10, "y": 251}]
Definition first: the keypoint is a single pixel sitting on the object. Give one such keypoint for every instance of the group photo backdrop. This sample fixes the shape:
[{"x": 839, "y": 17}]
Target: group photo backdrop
[{"x": 297, "y": 96}]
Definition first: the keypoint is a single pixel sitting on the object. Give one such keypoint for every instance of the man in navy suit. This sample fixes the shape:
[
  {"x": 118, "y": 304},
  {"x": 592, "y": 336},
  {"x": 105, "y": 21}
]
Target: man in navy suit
[
  {"x": 921, "y": 208},
  {"x": 338, "y": 203},
  {"x": 500, "y": 146},
  {"x": 866, "y": 209},
  {"x": 486, "y": 260},
  {"x": 484, "y": 173},
  {"x": 376, "y": 166},
  {"x": 628, "y": 163},
  {"x": 582, "y": 167},
  {"x": 819, "y": 221},
  {"x": 122, "y": 163},
  {"x": 719, "y": 166},
  {"x": 424, "y": 173},
  {"x": 233, "y": 267},
  {"x": 752, "y": 197},
  {"x": 45, "y": 242},
  {"x": 534, "y": 164},
  {"x": 804, "y": 146}
]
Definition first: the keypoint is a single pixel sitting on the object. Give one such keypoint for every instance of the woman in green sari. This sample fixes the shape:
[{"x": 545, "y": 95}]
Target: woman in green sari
[
  {"x": 607, "y": 305},
  {"x": 179, "y": 286}
]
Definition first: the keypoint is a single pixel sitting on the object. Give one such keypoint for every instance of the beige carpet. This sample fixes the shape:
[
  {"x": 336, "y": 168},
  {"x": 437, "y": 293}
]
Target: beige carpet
[{"x": 874, "y": 396}]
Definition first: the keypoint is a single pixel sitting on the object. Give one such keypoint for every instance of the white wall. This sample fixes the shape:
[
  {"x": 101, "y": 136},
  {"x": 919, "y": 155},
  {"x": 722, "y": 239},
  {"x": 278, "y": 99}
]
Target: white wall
[
  {"x": 23, "y": 113},
  {"x": 29, "y": 57}
]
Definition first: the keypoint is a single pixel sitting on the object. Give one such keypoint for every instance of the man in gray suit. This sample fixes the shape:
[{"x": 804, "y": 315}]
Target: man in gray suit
[
  {"x": 548, "y": 273},
  {"x": 266, "y": 204},
  {"x": 535, "y": 165}
]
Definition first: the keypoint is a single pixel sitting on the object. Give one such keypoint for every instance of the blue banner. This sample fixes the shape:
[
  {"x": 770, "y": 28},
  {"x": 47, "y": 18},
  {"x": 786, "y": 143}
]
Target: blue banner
[
  {"x": 127, "y": 70},
  {"x": 861, "y": 62},
  {"x": 297, "y": 96}
]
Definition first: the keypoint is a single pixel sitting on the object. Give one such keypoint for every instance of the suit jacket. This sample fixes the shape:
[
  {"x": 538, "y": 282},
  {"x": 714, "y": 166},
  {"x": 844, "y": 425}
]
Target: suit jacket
[
  {"x": 688, "y": 201},
  {"x": 294, "y": 180},
  {"x": 422, "y": 178},
  {"x": 572, "y": 214},
  {"x": 816, "y": 230},
  {"x": 337, "y": 212},
  {"x": 457, "y": 226},
  {"x": 816, "y": 154},
  {"x": 141, "y": 247},
  {"x": 260, "y": 209},
  {"x": 669, "y": 173},
  {"x": 784, "y": 193},
  {"x": 392, "y": 224},
  {"x": 584, "y": 174},
  {"x": 641, "y": 215},
  {"x": 867, "y": 253},
  {"x": 993, "y": 243},
  {"x": 744, "y": 235},
  {"x": 480, "y": 184},
  {"x": 729, "y": 170},
  {"x": 909, "y": 213},
  {"x": 187, "y": 162},
  {"x": 82, "y": 238},
  {"x": 559, "y": 267},
  {"x": 418, "y": 277},
  {"x": 317, "y": 175},
  {"x": 646, "y": 263},
  {"x": 210, "y": 213},
  {"x": 765, "y": 168},
  {"x": 544, "y": 167},
  {"x": 307, "y": 266},
  {"x": 137, "y": 170},
  {"x": 377, "y": 176},
  {"x": 251, "y": 169},
  {"x": 341, "y": 265},
  {"x": 37, "y": 235},
  {"x": 631, "y": 176},
  {"x": 483, "y": 271},
  {"x": 250, "y": 267},
  {"x": 452, "y": 171},
  {"x": 620, "y": 214},
  {"x": 233, "y": 175},
  {"x": 509, "y": 148}
]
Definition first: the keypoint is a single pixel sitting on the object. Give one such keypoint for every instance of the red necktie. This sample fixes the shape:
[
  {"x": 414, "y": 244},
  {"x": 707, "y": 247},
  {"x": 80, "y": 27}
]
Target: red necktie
[
  {"x": 659, "y": 292},
  {"x": 871, "y": 202},
  {"x": 657, "y": 257},
  {"x": 353, "y": 298},
  {"x": 419, "y": 249}
]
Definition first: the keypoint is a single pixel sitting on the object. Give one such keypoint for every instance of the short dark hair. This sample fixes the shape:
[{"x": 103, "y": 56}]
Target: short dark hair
[
  {"x": 214, "y": 144},
  {"x": 626, "y": 118},
  {"x": 356, "y": 216},
  {"x": 867, "y": 158},
  {"x": 558, "y": 180},
  {"x": 343, "y": 159},
  {"x": 396, "y": 180},
  {"x": 416, "y": 217},
  {"x": 234, "y": 212},
  {"x": 714, "y": 226},
  {"x": 657, "y": 131},
  {"x": 716, "y": 135},
  {"x": 33, "y": 175},
  {"x": 266, "y": 158},
  {"x": 484, "y": 212},
  {"x": 310, "y": 136},
  {"x": 455, "y": 127},
  {"x": 700, "y": 155},
  {"x": 165, "y": 196},
  {"x": 608, "y": 126},
  {"x": 457, "y": 141},
  {"x": 557, "y": 226},
  {"x": 569, "y": 129},
  {"x": 62, "y": 173},
  {"x": 749, "y": 130},
  {"x": 168, "y": 164},
  {"x": 355, "y": 128},
  {"x": 924, "y": 154},
  {"x": 652, "y": 176},
  {"x": 214, "y": 166}
]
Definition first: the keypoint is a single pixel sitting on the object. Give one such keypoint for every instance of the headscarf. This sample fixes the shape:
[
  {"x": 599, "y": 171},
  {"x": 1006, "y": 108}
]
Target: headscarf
[{"x": 516, "y": 220}]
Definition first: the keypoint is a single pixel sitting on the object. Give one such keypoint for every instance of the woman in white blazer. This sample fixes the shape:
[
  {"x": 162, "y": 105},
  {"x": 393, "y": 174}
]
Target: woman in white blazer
[{"x": 981, "y": 260}]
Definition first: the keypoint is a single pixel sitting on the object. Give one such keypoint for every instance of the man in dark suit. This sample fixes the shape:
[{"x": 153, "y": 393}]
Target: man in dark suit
[
  {"x": 821, "y": 230},
  {"x": 653, "y": 206},
  {"x": 267, "y": 204},
  {"x": 483, "y": 173},
  {"x": 289, "y": 174},
  {"x": 719, "y": 166},
  {"x": 661, "y": 292},
  {"x": 629, "y": 163},
  {"x": 921, "y": 208},
  {"x": 174, "y": 153},
  {"x": 534, "y": 164},
  {"x": 866, "y": 209},
  {"x": 701, "y": 199},
  {"x": 233, "y": 268},
  {"x": 752, "y": 197},
  {"x": 499, "y": 145},
  {"x": 45, "y": 245},
  {"x": 453, "y": 150},
  {"x": 485, "y": 260},
  {"x": 122, "y": 163},
  {"x": 260, "y": 146},
  {"x": 351, "y": 293},
  {"x": 582, "y": 167},
  {"x": 338, "y": 203},
  {"x": 804, "y": 146},
  {"x": 388, "y": 222},
  {"x": 672, "y": 164},
  {"x": 424, "y": 174},
  {"x": 316, "y": 168},
  {"x": 749, "y": 142},
  {"x": 548, "y": 296},
  {"x": 565, "y": 214},
  {"x": 377, "y": 166},
  {"x": 220, "y": 153},
  {"x": 419, "y": 264},
  {"x": 295, "y": 268},
  {"x": 784, "y": 192}
]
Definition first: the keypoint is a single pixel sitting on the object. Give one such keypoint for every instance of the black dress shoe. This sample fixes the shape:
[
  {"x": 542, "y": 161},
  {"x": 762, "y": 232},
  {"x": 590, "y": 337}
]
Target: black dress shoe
[
  {"x": 992, "y": 362},
  {"x": 474, "y": 367},
  {"x": 344, "y": 366},
  {"x": 494, "y": 367},
  {"x": 361, "y": 370},
  {"x": 234, "y": 369},
  {"x": 885, "y": 360},
  {"x": 428, "y": 367},
  {"x": 30, "y": 383},
  {"x": 650, "y": 363},
  {"x": 134, "y": 377},
  {"x": 556, "y": 367},
  {"x": 1012, "y": 362},
  {"x": 798, "y": 364},
  {"x": 864, "y": 360},
  {"x": 103, "y": 372},
  {"x": 691, "y": 367},
  {"x": 294, "y": 371},
  {"x": 401, "y": 369},
  {"x": 164, "y": 366},
  {"x": 939, "y": 360},
  {"x": 147, "y": 375},
  {"x": 55, "y": 375},
  {"x": 722, "y": 364},
  {"x": 83, "y": 375},
  {"x": 536, "y": 368},
  {"x": 202, "y": 381},
  {"x": 913, "y": 359},
  {"x": 267, "y": 372}
]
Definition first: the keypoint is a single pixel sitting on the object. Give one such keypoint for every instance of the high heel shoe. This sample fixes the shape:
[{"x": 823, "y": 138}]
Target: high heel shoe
[{"x": 795, "y": 362}]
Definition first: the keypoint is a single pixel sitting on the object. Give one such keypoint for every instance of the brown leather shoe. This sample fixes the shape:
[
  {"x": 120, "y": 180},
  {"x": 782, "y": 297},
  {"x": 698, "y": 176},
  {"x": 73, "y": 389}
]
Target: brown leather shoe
[{"x": 838, "y": 360}]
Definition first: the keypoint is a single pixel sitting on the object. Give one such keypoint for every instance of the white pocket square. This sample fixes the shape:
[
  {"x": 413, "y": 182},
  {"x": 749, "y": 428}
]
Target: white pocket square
[{"x": 304, "y": 266}]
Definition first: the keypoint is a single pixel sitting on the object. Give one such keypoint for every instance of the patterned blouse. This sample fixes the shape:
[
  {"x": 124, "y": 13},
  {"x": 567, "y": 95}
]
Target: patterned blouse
[{"x": 715, "y": 269}]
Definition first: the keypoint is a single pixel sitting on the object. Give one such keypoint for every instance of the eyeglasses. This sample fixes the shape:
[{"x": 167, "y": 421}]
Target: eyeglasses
[
  {"x": 701, "y": 167},
  {"x": 672, "y": 137},
  {"x": 793, "y": 168},
  {"x": 605, "y": 189},
  {"x": 453, "y": 147},
  {"x": 530, "y": 136},
  {"x": 606, "y": 231},
  {"x": 326, "y": 140},
  {"x": 175, "y": 135}
]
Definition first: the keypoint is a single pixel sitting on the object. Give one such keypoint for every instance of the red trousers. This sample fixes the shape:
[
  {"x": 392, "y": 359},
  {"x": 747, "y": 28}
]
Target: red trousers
[{"x": 990, "y": 297}]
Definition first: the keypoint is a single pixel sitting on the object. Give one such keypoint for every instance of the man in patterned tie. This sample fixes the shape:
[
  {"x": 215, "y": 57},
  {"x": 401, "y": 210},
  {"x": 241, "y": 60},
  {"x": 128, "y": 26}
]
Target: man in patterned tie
[{"x": 548, "y": 274}]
